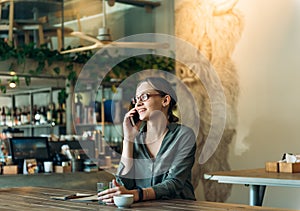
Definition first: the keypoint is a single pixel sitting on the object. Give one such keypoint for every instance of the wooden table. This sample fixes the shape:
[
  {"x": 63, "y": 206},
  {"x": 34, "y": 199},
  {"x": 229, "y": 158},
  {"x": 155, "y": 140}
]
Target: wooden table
[
  {"x": 257, "y": 179},
  {"x": 38, "y": 198}
]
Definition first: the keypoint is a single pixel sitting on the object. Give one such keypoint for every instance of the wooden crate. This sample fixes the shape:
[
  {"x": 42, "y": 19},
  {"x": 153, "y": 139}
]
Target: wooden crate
[
  {"x": 10, "y": 169},
  {"x": 272, "y": 166},
  {"x": 289, "y": 167},
  {"x": 62, "y": 169}
]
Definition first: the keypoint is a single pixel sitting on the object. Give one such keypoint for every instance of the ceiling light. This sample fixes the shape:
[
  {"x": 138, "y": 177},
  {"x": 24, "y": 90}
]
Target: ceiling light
[
  {"x": 12, "y": 84},
  {"x": 14, "y": 81},
  {"x": 12, "y": 73}
]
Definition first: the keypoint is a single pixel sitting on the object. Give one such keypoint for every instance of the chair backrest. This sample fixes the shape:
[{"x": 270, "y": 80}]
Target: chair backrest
[{"x": 10, "y": 22}]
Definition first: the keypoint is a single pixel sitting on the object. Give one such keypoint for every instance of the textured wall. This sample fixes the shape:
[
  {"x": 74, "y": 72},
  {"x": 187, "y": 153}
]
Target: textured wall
[{"x": 213, "y": 27}]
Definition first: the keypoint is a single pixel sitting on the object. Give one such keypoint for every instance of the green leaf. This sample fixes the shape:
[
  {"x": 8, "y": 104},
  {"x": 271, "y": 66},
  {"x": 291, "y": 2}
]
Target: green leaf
[
  {"x": 27, "y": 80},
  {"x": 3, "y": 89},
  {"x": 62, "y": 96},
  {"x": 56, "y": 70},
  {"x": 72, "y": 76}
]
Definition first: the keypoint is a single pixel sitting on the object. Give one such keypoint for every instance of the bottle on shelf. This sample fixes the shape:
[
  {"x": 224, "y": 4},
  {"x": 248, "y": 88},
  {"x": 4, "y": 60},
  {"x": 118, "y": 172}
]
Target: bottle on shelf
[
  {"x": 61, "y": 114},
  {"x": 91, "y": 113},
  {"x": 15, "y": 114},
  {"x": 88, "y": 114},
  {"x": 3, "y": 116},
  {"x": 19, "y": 112},
  {"x": 43, "y": 119},
  {"x": 54, "y": 114},
  {"x": 24, "y": 116},
  {"x": 49, "y": 113},
  {"x": 85, "y": 115},
  {"x": 78, "y": 110},
  {"x": 98, "y": 111},
  {"x": 8, "y": 117},
  {"x": 28, "y": 114},
  {"x": 0, "y": 116},
  {"x": 57, "y": 120},
  {"x": 36, "y": 117}
]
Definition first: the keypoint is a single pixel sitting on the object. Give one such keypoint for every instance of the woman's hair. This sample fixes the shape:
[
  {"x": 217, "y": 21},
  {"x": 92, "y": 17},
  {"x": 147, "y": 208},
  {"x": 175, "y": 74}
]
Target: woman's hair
[{"x": 163, "y": 87}]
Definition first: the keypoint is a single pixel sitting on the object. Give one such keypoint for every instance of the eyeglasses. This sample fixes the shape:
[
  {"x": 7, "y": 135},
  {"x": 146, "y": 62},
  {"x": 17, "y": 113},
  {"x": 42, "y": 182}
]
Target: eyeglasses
[{"x": 143, "y": 97}]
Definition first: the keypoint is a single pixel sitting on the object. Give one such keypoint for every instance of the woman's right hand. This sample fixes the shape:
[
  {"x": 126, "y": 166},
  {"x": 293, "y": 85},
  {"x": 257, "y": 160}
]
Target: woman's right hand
[
  {"x": 130, "y": 131},
  {"x": 107, "y": 196}
]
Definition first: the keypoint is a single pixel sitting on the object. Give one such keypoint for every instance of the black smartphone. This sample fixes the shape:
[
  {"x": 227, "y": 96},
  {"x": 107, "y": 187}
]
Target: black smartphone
[{"x": 134, "y": 119}]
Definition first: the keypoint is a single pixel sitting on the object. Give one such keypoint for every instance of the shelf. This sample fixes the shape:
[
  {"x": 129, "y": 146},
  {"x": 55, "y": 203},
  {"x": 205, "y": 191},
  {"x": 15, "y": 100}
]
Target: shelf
[
  {"x": 45, "y": 98},
  {"x": 28, "y": 92},
  {"x": 140, "y": 3},
  {"x": 97, "y": 125},
  {"x": 34, "y": 126}
]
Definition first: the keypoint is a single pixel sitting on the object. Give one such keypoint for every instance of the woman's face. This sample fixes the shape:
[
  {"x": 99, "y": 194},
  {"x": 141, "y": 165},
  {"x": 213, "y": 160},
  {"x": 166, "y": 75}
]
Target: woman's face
[{"x": 153, "y": 104}]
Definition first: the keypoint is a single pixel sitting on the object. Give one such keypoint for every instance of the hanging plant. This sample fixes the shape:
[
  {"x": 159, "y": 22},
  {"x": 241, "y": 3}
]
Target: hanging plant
[
  {"x": 44, "y": 57},
  {"x": 53, "y": 60},
  {"x": 62, "y": 96}
]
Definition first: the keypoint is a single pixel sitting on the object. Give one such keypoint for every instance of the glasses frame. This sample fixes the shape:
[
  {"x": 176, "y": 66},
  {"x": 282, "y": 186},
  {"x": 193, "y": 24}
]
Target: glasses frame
[{"x": 144, "y": 97}]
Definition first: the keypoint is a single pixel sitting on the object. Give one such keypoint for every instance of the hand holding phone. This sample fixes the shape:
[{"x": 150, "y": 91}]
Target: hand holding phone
[{"x": 135, "y": 119}]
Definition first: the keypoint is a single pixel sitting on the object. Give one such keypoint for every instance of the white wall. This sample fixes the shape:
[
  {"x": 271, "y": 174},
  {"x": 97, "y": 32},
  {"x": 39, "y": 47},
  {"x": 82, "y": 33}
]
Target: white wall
[{"x": 268, "y": 61}]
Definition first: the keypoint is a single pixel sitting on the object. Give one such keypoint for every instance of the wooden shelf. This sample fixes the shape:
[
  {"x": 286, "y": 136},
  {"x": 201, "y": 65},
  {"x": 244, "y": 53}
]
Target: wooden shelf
[
  {"x": 140, "y": 3},
  {"x": 32, "y": 126}
]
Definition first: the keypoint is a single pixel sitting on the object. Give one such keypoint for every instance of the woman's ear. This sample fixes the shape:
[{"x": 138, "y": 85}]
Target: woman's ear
[{"x": 166, "y": 100}]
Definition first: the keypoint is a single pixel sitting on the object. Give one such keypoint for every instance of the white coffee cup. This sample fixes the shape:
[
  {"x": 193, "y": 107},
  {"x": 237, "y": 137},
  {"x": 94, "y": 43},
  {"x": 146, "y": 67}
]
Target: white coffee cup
[
  {"x": 48, "y": 166},
  {"x": 123, "y": 200}
]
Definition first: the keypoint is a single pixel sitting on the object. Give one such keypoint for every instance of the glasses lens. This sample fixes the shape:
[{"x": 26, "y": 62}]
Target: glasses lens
[{"x": 144, "y": 97}]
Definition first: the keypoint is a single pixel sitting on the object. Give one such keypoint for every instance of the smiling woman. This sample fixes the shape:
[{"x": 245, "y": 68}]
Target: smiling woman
[{"x": 158, "y": 153}]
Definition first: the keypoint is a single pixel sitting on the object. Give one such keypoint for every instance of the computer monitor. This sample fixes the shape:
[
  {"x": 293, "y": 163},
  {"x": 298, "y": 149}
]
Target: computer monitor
[{"x": 28, "y": 148}]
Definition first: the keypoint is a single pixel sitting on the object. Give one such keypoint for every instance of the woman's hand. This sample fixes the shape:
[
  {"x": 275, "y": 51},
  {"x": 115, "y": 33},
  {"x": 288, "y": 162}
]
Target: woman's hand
[
  {"x": 107, "y": 196},
  {"x": 130, "y": 131}
]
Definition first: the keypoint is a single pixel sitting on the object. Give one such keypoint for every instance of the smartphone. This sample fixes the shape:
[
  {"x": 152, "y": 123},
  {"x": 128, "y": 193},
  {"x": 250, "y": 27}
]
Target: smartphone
[{"x": 134, "y": 119}]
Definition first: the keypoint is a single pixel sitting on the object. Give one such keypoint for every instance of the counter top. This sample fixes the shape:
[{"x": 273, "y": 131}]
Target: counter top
[{"x": 70, "y": 181}]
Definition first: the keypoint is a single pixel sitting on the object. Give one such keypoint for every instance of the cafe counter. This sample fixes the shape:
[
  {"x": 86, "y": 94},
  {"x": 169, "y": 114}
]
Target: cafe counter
[{"x": 70, "y": 181}]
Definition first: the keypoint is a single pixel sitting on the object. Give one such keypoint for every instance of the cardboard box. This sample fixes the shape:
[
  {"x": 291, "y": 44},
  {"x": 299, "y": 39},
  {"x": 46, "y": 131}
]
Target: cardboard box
[
  {"x": 62, "y": 169},
  {"x": 11, "y": 169},
  {"x": 272, "y": 166},
  {"x": 289, "y": 167}
]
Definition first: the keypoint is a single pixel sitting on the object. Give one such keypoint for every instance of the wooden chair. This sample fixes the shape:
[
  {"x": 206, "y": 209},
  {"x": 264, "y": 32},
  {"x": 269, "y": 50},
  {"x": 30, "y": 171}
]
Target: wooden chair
[
  {"x": 29, "y": 27},
  {"x": 45, "y": 31},
  {"x": 56, "y": 31},
  {"x": 8, "y": 25},
  {"x": 15, "y": 27}
]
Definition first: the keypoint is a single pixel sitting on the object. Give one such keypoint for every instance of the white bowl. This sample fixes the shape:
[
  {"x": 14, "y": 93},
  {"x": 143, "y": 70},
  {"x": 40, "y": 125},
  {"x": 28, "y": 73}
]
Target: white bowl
[{"x": 123, "y": 200}]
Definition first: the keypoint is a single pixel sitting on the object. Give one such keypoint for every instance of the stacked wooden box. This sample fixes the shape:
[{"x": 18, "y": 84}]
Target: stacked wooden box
[{"x": 278, "y": 166}]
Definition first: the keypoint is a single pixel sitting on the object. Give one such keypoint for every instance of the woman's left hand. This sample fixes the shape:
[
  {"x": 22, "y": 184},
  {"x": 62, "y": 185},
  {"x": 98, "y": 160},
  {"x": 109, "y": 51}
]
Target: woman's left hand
[{"x": 107, "y": 196}]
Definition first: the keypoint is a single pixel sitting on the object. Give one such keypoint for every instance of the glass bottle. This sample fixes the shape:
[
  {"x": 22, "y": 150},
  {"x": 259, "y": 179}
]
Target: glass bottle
[
  {"x": 3, "y": 116},
  {"x": 78, "y": 110},
  {"x": 63, "y": 114},
  {"x": 49, "y": 113}
]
